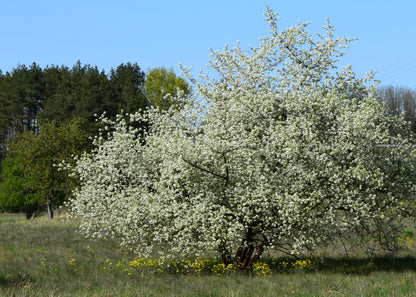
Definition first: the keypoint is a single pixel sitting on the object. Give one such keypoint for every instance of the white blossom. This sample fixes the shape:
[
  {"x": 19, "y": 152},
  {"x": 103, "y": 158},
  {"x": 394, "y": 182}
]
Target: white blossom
[{"x": 280, "y": 150}]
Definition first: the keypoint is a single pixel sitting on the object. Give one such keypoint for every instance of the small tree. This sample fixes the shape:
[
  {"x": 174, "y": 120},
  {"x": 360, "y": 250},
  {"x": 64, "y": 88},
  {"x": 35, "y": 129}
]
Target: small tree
[
  {"x": 31, "y": 181},
  {"x": 279, "y": 151}
]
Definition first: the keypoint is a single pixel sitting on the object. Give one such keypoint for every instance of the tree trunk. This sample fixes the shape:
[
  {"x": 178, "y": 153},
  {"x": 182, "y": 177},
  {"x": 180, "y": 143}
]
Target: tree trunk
[
  {"x": 225, "y": 254},
  {"x": 259, "y": 252},
  {"x": 50, "y": 210},
  {"x": 50, "y": 198},
  {"x": 246, "y": 257}
]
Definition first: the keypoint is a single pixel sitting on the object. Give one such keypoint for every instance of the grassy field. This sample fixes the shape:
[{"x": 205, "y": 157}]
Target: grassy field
[{"x": 49, "y": 258}]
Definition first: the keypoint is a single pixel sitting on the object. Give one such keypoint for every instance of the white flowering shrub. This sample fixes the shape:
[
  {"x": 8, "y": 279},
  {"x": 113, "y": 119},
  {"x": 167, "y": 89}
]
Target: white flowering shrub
[{"x": 280, "y": 150}]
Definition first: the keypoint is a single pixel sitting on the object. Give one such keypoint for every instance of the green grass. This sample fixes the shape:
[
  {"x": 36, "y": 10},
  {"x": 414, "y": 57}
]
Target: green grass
[{"x": 40, "y": 257}]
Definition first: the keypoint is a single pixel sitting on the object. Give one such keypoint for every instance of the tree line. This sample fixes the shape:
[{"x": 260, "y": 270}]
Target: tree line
[
  {"x": 48, "y": 114},
  {"x": 60, "y": 93}
]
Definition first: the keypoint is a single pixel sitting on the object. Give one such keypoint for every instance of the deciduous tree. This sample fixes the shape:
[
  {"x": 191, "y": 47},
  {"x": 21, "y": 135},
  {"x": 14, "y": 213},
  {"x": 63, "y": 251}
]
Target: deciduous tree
[
  {"x": 278, "y": 151},
  {"x": 162, "y": 86},
  {"x": 30, "y": 180}
]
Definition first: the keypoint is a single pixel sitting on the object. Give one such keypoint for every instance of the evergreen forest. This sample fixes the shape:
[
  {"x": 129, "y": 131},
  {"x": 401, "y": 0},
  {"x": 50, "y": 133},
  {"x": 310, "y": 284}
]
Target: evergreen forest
[{"x": 48, "y": 114}]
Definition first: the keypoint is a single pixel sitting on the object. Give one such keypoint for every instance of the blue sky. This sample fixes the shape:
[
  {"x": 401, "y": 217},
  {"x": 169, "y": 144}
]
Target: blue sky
[{"x": 155, "y": 33}]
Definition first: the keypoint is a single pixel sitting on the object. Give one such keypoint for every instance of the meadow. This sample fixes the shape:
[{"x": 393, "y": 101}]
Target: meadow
[{"x": 42, "y": 257}]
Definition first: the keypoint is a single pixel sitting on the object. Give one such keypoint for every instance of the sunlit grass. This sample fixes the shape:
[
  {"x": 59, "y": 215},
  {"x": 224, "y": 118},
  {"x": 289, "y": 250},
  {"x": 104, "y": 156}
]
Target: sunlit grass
[{"x": 49, "y": 258}]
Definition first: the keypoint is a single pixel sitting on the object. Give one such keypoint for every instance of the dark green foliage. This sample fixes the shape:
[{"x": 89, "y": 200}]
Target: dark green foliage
[
  {"x": 21, "y": 97},
  {"x": 11, "y": 194},
  {"x": 31, "y": 182},
  {"x": 59, "y": 93},
  {"x": 24, "y": 94},
  {"x": 80, "y": 92},
  {"x": 126, "y": 84}
]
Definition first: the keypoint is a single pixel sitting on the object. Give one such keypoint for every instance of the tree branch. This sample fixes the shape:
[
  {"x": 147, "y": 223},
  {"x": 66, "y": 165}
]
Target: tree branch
[{"x": 204, "y": 169}]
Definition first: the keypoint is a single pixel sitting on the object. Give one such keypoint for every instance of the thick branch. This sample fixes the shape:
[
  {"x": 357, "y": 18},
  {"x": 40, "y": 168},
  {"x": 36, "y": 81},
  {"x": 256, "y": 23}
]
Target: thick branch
[
  {"x": 246, "y": 257},
  {"x": 259, "y": 252},
  {"x": 227, "y": 173},
  {"x": 204, "y": 169}
]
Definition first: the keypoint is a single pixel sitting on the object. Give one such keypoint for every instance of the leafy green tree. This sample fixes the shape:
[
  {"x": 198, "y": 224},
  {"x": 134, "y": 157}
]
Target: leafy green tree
[
  {"x": 12, "y": 197},
  {"x": 162, "y": 86},
  {"x": 282, "y": 152},
  {"x": 30, "y": 180}
]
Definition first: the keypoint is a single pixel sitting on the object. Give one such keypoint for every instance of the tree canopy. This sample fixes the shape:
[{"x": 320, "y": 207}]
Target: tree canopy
[
  {"x": 31, "y": 182},
  {"x": 281, "y": 150}
]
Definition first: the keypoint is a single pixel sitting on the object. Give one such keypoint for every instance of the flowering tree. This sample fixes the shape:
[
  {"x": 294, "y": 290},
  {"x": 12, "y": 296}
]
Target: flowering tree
[{"x": 278, "y": 151}]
